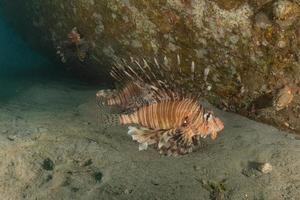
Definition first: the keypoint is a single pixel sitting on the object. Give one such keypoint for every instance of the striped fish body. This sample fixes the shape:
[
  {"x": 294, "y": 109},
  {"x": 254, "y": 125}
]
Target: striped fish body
[
  {"x": 125, "y": 95},
  {"x": 165, "y": 115},
  {"x": 175, "y": 127},
  {"x": 131, "y": 96}
]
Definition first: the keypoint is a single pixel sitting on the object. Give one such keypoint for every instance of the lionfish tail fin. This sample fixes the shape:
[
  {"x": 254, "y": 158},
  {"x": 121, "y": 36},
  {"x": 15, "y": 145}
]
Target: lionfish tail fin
[
  {"x": 108, "y": 120},
  {"x": 102, "y": 96}
]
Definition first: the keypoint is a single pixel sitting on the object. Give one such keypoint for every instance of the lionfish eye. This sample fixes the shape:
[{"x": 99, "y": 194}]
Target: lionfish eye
[
  {"x": 207, "y": 116},
  {"x": 185, "y": 121}
]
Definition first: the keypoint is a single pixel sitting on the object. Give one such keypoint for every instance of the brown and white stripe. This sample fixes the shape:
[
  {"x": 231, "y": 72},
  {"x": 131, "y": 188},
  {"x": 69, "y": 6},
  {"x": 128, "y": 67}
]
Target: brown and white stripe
[
  {"x": 125, "y": 97},
  {"x": 182, "y": 122},
  {"x": 163, "y": 115},
  {"x": 186, "y": 115}
]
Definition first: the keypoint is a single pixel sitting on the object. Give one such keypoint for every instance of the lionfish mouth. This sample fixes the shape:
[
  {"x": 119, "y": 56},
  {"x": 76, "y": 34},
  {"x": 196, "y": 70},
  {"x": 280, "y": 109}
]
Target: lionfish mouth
[
  {"x": 213, "y": 135},
  {"x": 218, "y": 126}
]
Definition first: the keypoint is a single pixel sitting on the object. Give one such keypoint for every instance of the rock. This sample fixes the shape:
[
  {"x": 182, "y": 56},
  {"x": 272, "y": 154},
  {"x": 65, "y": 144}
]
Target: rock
[
  {"x": 283, "y": 98},
  {"x": 281, "y": 44},
  {"x": 260, "y": 4},
  {"x": 284, "y": 9},
  {"x": 242, "y": 43},
  {"x": 154, "y": 182},
  {"x": 12, "y": 137},
  {"x": 41, "y": 130},
  {"x": 265, "y": 168},
  {"x": 286, "y": 12},
  {"x": 88, "y": 163},
  {"x": 229, "y": 4},
  {"x": 254, "y": 168},
  {"x": 128, "y": 191},
  {"x": 262, "y": 20}
]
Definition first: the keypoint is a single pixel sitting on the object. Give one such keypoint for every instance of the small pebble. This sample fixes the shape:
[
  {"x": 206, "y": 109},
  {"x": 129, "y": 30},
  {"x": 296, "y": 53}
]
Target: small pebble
[
  {"x": 265, "y": 168},
  {"x": 12, "y": 137},
  {"x": 286, "y": 124},
  {"x": 262, "y": 20},
  {"x": 127, "y": 191},
  {"x": 154, "y": 182},
  {"x": 209, "y": 88},
  {"x": 283, "y": 98},
  {"x": 196, "y": 168},
  {"x": 281, "y": 44},
  {"x": 88, "y": 163},
  {"x": 41, "y": 130}
]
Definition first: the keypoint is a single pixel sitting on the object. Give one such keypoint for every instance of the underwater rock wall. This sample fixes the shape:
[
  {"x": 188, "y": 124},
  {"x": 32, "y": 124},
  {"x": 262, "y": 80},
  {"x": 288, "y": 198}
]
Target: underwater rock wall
[{"x": 247, "y": 51}]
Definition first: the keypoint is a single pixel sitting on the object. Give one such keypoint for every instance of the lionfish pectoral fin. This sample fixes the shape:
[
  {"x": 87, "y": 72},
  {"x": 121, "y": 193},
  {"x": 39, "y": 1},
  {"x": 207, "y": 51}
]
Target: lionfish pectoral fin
[
  {"x": 164, "y": 138},
  {"x": 143, "y": 146},
  {"x": 153, "y": 87},
  {"x": 183, "y": 138},
  {"x": 135, "y": 133},
  {"x": 213, "y": 135},
  {"x": 143, "y": 136},
  {"x": 105, "y": 93},
  {"x": 178, "y": 143},
  {"x": 101, "y": 100},
  {"x": 131, "y": 130}
]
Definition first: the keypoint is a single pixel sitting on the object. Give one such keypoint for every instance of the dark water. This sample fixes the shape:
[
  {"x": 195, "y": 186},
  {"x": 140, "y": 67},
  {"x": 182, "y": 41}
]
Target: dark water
[
  {"x": 21, "y": 67},
  {"x": 15, "y": 54}
]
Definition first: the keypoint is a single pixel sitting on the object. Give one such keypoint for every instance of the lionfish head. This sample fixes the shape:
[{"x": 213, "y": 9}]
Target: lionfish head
[
  {"x": 74, "y": 36},
  {"x": 214, "y": 124}
]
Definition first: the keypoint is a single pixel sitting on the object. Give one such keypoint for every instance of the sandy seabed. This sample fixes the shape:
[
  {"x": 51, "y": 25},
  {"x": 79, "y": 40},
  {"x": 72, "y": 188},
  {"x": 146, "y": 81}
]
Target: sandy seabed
[{"x": 52, "y": 147}]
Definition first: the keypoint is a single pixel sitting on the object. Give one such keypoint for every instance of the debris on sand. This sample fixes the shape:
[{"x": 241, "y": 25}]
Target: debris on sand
[
  {"x": 265, "y": 168},
  {"x": 283, "y": 98}
]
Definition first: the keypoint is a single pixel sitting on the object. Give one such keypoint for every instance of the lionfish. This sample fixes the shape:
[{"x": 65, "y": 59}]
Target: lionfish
[
  {"x": 139, "y": 85},
  {"x": 74, "y": 47},
  {"x": 74, "y": 37},
  {"x": 167, "y": 118},
  {"x": 133, "y": 92},
  {"x": 127, "y": 98}
]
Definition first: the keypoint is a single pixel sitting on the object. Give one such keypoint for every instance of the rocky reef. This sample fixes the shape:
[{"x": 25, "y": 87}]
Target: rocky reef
[{"x": 247, "y": 51}]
